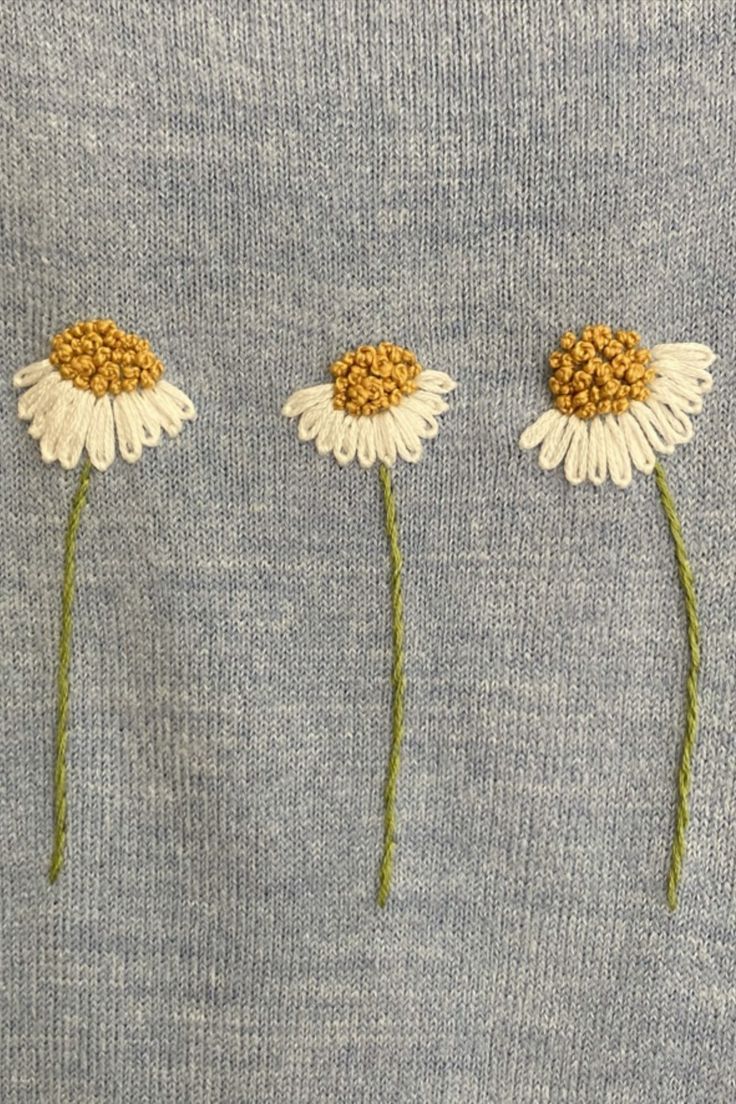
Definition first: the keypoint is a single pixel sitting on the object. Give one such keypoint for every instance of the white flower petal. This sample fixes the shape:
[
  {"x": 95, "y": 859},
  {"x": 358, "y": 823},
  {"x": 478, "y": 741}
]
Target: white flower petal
[
  {"x": 688, "y": 353},
  {"x": 101, "y": 434},
  {"x": 597, "y": 452},
  {"x": 36, "y": 427},
  {"x": 686, "y": 362},
  {"x": 576, "y": 458},
  {"x": 37, "y": 397},
  {"x": 148, "y": 418},
  {"x": 172, "y": 406},
  {"x": 128, "y": 428},
  {"x": 366, "y": 441},
  {"x": 425, "y": 402},
  {"x": 45, "y": 403},
  {"x": 311, "y": 420},
  {"x": 32, "y": 373},
  {"x": 535, "y": 433},
  {"x": 135, "y": 422},
  {"x": 385, "y": 438},
  {"x": 698, "y": 379},
  {"x": 438, "y": 382},
  {"x": 557, "y": 442},
  {"x": 673, "y": 392},
  {"x": 329, "y": 430},
  {"x": 640, "y": 450},
  {"x": 660, "y": 442},
  {"x": 422, "y": 425},
  {"x": 346, "y": 440},
  {"x": 408, "y": 443},
  {"x": 671, "y": 421},
  {"x": 75, "y": 431},
  {"x": 306, "y": 397},
  {"x": 183, "y": 403},
  {"x": 166, "y": 409},
  {"x": 57, "y": 419},
  {"x": 617, "y": 453}
]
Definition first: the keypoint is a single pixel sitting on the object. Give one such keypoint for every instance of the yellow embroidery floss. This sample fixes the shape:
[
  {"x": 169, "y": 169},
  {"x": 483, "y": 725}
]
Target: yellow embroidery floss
[
  {"x": 99, "y": 357},
  {"x": 599, "y": 372},
  {"x": 373, "y": 378}
]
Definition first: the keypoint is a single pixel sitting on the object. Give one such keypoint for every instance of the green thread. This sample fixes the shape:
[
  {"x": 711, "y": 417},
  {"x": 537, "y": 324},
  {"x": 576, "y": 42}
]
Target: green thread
[
  {"x": 62, "y": 679},
  {"x": 684, "y": 777},
  {"x": 398, "y": 682}
]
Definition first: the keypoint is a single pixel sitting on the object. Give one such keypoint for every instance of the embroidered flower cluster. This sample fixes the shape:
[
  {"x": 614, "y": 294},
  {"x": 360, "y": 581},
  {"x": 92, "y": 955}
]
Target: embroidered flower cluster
[{"x": 615, "y": 406}]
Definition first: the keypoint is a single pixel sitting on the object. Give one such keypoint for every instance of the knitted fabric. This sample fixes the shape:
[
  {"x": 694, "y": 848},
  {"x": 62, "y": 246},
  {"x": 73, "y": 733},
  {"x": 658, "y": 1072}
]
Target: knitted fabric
[{"x": 256, "y": 188}]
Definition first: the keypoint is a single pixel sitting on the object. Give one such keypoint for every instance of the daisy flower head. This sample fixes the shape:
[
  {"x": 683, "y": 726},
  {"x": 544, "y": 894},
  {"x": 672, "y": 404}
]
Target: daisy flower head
[
  {"x": 615, "y": 404},
  {"x": 380, "y": 405},
  {"x": 99, "y": 384}
]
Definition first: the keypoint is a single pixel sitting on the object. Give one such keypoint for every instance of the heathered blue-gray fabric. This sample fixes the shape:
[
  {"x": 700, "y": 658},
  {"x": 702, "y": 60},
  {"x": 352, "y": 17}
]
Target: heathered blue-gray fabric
[{"x": 255, "y": 188}]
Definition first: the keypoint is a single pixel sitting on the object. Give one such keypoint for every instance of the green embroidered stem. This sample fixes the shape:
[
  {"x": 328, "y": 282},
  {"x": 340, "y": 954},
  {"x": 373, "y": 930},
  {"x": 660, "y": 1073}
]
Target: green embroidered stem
[
  {"x": 691, "y": 687},
  {"x": 398, "y": 680},
  {"x": 62, "y": 679}
]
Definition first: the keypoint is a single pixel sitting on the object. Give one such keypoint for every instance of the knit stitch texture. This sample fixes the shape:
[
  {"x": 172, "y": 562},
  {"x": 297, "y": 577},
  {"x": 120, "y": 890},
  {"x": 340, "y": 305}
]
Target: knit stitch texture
[{"x": 255, "y": 187}]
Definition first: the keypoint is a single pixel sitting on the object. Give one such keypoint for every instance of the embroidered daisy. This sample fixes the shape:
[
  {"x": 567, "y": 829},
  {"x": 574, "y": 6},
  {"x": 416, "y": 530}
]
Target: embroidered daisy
[
  {"x": 98, "y": 383},
  {"x": 615, "y": 406},
  {"x": 380, "y": 406}
]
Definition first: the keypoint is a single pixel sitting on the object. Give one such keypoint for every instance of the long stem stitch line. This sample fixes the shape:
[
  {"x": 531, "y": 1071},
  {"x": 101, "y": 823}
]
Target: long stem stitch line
[
  {"x": 398, "y": 681},
  {"x": 64, "y": 662},
  {"x": 684, "y": 778}
]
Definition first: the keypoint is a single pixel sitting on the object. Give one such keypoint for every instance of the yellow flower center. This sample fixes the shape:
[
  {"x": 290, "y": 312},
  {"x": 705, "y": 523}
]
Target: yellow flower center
[
  {"x": 372, "y": 378},
  {"x": 96, "y": 356},
  {"x": 599, "y": 372}
]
